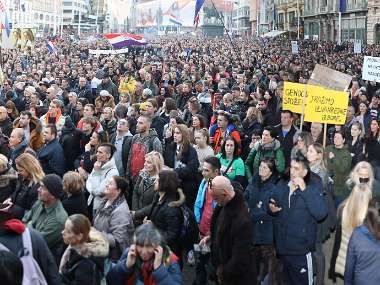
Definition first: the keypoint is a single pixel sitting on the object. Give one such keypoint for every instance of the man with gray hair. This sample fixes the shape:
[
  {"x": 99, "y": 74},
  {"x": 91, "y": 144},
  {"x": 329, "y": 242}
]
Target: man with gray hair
[{"x": 231, "y": 234}]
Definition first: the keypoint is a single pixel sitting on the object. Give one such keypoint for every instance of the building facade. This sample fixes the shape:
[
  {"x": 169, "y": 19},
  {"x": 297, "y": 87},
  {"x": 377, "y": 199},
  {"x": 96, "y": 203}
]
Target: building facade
[
  {"x": 373, "y": 22},
  {"x": 241, "y": 18},
  {"x": 288, "y": 15},
  {"x": 321, "y": 20}
]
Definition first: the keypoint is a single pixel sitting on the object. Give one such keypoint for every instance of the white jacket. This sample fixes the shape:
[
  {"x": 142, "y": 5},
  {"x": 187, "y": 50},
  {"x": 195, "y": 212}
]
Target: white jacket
[{"x": 97, "y": 181}]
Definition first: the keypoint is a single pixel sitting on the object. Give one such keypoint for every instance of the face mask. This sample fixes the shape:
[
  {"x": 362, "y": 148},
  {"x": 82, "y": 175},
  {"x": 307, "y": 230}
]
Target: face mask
[{"x": 363, "y": 180}]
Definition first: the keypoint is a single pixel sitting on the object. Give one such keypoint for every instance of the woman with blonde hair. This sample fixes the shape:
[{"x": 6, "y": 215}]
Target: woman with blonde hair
[
  {"x": 301, "y": 147},
  {"x": 252, "y": 122},
  {"x": 351, "y": 214},
  {"x": 30, "y": 175},
  {"x": 143, "y": 191},
  {"x": 181, "y": 156},
  {"x": 75, "y": 201}
]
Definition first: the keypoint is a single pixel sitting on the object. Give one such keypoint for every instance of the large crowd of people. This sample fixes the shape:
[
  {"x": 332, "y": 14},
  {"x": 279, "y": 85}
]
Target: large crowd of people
[{"x": 131, "y": 168}]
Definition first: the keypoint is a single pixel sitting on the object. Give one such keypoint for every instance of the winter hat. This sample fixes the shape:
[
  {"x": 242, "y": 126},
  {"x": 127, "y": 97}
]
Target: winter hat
[{"x": 53, "y": 183}]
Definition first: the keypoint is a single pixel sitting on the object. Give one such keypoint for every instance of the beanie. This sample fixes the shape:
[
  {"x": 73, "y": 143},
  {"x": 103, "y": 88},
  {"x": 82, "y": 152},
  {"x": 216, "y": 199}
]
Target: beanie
[{"x": 53, "y": 183}]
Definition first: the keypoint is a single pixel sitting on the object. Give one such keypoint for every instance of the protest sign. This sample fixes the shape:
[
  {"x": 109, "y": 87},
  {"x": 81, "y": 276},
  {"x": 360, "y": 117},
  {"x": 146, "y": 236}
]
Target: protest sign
[
  {"x": 371, "y": 68},
  {"x": 329, "y": 78},
  {"x": 292, "y": 99},
  {"x": 357, "y": 47},
  {"x": 294, "y": 47},
  {"x": 326, "y": 106}
]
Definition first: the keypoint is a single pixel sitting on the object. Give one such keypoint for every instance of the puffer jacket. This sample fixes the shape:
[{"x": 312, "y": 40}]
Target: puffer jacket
[
  {"x": 257, "y": 196},
  {"x": 260, "y": 151},
  {"x": 167, "y": 216},
  {"x": 35, "y": 127},
  {"x": 115, "y": 223},
  {"x": 363, "y": 258},
  {"x": 97, "y": 181},
  {"x": 83, "y": 264},
  {"x": 8, "y": 182},
  {"x": 143, "y": 194},
  {"x": 23, "y": 198}
]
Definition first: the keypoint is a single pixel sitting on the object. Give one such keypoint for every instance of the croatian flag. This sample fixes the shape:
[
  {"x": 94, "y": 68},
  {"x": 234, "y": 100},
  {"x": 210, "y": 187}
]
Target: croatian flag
[
  {"x": 173, "y": 19},
  {"x": 6, "y": 26},
  {"x": 121, "y": 40},
  {"x": 198, "y": 7},
  {"x": 51, "y": 47}
]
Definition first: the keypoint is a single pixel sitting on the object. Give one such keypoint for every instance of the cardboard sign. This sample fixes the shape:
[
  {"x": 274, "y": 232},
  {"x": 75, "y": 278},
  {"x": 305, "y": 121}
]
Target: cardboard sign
[
  {"x": 294, "y": 47},
  {"x": 357, "y": 47},
  {"x": 292, "y": 99},
  {"x": 329, "y": 78},
  {"x": 326, "y": 106},
  {"x": 371, "y": 68}
]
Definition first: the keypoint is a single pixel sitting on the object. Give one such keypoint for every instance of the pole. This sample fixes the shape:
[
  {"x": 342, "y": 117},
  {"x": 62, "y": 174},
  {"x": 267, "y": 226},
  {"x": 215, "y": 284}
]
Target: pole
[
  {"x": 224, "y": 26},
  {"x": 298, "y": 19},
  {"x": 303, "y": 107},
  {"x": 97, "y": 16},
  {"x": 55, "y": 22},
  {"x": 80, "y": 16},
  {"x": 258, "y": 17},
  {"x": 340, "y": 28},
  {"x": 324, "y": 135}
]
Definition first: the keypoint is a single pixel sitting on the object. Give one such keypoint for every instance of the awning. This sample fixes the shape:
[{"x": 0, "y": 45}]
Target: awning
[{"x": 273, "y": 34}]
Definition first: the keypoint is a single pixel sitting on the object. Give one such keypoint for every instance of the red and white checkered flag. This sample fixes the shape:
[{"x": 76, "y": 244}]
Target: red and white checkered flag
[{"x": 2, "y": 6}]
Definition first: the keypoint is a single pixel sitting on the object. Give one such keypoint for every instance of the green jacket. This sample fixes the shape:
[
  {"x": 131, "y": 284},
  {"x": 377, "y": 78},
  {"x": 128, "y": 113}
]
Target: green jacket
[
  {"x": 50, "y": 222},
  {"x": 260, "y": 151},
  {"x": 339, "y": 168}
]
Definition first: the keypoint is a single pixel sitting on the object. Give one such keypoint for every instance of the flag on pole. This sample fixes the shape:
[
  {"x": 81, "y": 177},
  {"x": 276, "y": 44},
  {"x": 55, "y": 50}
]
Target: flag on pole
[
  {"x": 342, "y": 6},
  {"x": 51, "y": 47},
  {"x": 3, "y": 11},
  {"x": 198, "y": 7},
  {"x": 121, "y": 40}
]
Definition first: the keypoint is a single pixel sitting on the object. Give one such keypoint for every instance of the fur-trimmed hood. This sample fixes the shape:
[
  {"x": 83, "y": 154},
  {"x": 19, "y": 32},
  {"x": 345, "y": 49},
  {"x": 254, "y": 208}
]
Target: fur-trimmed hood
[{"x": 97, "y": 246}]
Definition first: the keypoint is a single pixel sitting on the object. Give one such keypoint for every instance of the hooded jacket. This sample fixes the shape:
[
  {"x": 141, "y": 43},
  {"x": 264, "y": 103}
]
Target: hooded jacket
[
  {"x": 83, "y": 264},
  {"x": 35, "y": 128},
  {"x": 97, "y": 181},
  {"x": 260, "y": 151}
]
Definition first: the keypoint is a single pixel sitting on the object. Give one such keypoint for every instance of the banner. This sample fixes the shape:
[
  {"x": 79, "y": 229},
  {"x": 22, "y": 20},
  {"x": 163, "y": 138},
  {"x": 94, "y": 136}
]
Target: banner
[
  {"x": 357, "y": 47},
  {"x": 107, "y": 51},
  {"x": 329, "y": 78},
  {"x": 371, "y": 68},
  {"x": 292, "y": 99},
  {"x": 326, "y": 106},
  {"x": 294, "y": 47}
]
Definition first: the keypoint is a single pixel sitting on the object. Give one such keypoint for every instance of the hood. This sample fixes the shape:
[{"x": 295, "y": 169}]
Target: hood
[
  {"x": 109, "y": 164},
  {"x": 69, "y": 126},
  {"x": 181, "y": 200},
  {"x": 97, "y": 246},
  {"x": 275, "y": 145}
]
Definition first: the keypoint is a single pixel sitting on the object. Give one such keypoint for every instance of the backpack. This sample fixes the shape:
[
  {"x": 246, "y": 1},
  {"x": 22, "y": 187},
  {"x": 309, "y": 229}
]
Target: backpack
[
  {"x": 32, "y": 271},
  {"x": 189, "y": 231}
]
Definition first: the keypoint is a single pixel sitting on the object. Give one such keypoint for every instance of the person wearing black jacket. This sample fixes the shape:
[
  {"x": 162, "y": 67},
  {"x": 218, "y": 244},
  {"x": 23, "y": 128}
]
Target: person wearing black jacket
[
  {"x": 70, "y": 142},
  {"x": 182, "y": 157},
  {"x": 5, "y": 122},
  {"x": 165, "y": 213},
  {"x": 11, "y": 237},
  {"x": 84, "y": 90},
  {"x": 286, "y": 134},
  {"x": 231, "y": 235},
  {"x": 74, "y": 201}
]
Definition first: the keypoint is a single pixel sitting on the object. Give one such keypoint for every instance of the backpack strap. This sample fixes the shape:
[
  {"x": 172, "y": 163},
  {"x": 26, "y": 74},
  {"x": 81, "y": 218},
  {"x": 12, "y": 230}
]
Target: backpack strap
[{"x": 27, "y": 242}]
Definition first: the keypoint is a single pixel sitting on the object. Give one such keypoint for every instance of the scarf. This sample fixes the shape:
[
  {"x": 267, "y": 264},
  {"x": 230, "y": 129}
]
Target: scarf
[{"x": 59, "y": 114}]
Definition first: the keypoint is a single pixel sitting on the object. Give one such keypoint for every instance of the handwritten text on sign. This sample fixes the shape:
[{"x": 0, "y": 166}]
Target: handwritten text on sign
[
  {"x": 293, "y": 97},
  {"x": 371, "y": 68},
  {"x": 326, "y": 106}
]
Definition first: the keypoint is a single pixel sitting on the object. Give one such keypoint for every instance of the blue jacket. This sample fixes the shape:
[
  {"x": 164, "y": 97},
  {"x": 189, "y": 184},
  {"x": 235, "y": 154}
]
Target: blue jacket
[
  {"x": 257, "y": 196},
  {"x": 52, "y": 158},
  {"x": 119, "y": 273},
  {"x": 363, "y": 258},
  {"x": 200, "y": 200},
  {"x": 296, "y": 223}
]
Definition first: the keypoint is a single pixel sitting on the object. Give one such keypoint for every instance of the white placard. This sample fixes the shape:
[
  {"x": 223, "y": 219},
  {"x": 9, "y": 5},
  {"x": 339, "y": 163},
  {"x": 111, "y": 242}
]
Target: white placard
[
  {"x": 357, "y": 47},
  {"x": 371, "y": 68},
  {"x": 294, "y": 47},
  {"x": 107, "y": 51}
]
